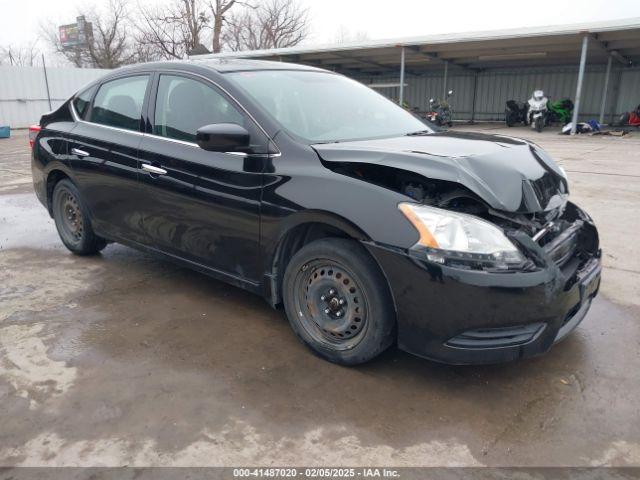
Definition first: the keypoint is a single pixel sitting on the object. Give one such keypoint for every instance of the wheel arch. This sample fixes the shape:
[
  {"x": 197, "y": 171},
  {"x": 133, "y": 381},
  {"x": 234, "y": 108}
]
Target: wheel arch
[
  {"x": 53, "y": 177},
  {"x": 302, "y": 229}
]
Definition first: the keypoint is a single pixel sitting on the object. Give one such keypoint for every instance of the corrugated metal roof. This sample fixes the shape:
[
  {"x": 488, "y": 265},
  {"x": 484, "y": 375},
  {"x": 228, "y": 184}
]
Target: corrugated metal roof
[{"x": 545, "y": 45}]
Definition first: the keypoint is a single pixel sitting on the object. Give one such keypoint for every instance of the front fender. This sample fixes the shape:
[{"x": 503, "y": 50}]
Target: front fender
[
  {"x": 363, "y": 210},
  {"x": 323, "y": 217}
]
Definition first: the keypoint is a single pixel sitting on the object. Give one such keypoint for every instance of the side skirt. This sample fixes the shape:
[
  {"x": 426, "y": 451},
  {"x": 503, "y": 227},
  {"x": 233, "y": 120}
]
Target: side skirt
[{"x": 236, "y": 281}]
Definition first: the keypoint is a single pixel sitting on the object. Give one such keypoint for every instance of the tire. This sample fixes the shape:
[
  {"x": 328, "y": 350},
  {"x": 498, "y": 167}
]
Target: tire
[
  {"x": 319, "y": 277},
  {"x": 72, "y": 221},
  {"x": 624, "y": 119},
  {"x": 510, "y": 120},
  {"x": 539, "y": 124}
]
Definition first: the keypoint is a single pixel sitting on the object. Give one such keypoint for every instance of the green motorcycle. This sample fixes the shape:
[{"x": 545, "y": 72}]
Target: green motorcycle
[{"x": 560, "y": 111}]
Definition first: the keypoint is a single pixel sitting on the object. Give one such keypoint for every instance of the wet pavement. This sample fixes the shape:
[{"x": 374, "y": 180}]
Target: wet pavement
[{"x": 124, "y": 359}]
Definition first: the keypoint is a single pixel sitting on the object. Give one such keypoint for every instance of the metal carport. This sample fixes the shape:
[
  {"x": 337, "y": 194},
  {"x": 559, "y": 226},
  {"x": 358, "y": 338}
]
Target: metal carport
[{"x": 602, "y": 44}]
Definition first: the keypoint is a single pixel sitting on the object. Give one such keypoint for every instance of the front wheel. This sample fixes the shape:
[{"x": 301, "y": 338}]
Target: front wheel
[
  {"x": 338, "y": 301},
  {"x": 539, "y": 124},
  {"x": 72, "y": 221}
]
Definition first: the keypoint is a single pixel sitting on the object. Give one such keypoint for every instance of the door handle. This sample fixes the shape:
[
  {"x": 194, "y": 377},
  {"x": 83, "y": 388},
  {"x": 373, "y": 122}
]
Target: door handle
[
  {"x": 154, "y": 170},
  {"x": 80, "y": 153}
]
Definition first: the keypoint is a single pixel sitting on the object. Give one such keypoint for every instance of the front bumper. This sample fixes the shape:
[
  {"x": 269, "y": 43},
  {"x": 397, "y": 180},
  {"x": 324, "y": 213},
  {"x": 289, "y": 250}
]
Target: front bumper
[{"x": 461, "y": 316}]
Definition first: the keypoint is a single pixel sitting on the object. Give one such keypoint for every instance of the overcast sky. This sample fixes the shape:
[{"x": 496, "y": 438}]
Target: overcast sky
[{"x": 20, "y": 19}]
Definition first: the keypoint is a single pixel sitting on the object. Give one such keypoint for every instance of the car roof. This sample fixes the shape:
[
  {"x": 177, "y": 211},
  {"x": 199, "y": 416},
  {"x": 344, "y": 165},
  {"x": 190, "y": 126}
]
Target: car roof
[
  {"x": 240, "y": 64},
  {"x": 220, "y": 65}
]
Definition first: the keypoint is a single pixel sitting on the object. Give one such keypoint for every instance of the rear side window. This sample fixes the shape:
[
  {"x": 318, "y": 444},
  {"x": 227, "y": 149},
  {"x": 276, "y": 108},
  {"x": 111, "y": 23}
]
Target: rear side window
[
  {"x": 82, "y": 101},
  {"x": 183, "y": 105},
  {"x": 118, "y": 103}
]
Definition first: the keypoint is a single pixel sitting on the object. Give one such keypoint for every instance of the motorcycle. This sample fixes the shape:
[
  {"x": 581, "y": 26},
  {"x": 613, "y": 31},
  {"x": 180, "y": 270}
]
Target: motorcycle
[
  {"x": 630, "y": 118},
  {"x": 440, "y": 112},
  {"x": 515, "y": 113},
  {"x": 538, "y": 110},
  {"x": 560, "y": 111}
]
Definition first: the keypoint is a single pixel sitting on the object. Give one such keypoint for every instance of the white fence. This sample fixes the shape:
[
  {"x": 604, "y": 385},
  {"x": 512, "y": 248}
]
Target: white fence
[{"x": 26, "y": 92}]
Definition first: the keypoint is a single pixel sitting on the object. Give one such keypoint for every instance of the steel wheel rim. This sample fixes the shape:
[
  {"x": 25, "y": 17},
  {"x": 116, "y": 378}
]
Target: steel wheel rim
[
  {"x": 70, "y": 215},
  {"x": 330, "y": 304}
]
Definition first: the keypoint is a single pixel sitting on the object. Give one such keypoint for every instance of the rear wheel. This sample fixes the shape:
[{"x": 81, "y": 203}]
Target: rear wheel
[
  {"x": 338, "y": 301},
  {"x": 72, "y": 222}
]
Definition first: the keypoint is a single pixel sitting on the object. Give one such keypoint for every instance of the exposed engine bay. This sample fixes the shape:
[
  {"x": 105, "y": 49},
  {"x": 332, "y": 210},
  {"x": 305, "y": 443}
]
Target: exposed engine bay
[
  {"x": 444, "y": 194},
  {"x": 563, "y": 232}
]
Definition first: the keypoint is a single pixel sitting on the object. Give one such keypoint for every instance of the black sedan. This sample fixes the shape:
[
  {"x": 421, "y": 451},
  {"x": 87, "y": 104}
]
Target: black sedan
[{"x": 310, "y": 189}]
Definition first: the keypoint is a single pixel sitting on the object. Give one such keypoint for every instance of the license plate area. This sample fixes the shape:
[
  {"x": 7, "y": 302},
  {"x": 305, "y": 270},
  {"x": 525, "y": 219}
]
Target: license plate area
[{"x": 589, "y": 280}]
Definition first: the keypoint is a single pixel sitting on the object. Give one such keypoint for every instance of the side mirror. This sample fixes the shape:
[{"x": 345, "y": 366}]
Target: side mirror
[{"x": 222, "y": 137}]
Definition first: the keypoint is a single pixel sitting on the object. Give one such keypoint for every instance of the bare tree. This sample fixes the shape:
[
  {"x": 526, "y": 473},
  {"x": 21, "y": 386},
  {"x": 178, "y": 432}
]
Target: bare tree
[
  {"x": 107, "y": 45},
  {"x": 219, "y": 9},
  {"x": 271, "y": 24},
  {"x": 25, "y": 55},
  {"x": 173, "y": 30},
  {"x": 343, "y": 34},
  {"x": 176, "y": 29},
  {"x": 284, "y": 22},
  {"x": 240, "y": 31}
]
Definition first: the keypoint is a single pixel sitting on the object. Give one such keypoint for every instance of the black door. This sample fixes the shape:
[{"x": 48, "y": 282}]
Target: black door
[
  {"x": 103, "y": 153},
  {"x": 201, "y": 206}
]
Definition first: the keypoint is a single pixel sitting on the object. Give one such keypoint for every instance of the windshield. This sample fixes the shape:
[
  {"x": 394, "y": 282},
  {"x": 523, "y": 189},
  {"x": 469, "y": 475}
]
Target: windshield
[{"x": 323, "y": 107}]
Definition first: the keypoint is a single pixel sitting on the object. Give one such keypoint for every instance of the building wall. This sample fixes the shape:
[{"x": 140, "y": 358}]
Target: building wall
[
  {"x": 495, "y": 87},
  {"x": 23, "y": 91}
]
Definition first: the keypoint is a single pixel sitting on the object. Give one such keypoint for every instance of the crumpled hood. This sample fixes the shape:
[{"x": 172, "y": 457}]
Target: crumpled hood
[{"x": 509, "y": 174}]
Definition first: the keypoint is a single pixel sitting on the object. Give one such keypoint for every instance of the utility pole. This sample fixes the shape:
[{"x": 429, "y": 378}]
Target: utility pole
[{"x": 46, "y": 82}]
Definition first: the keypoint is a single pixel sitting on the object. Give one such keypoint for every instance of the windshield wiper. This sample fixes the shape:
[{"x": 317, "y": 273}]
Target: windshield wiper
[{"x": 419, "y": 133}]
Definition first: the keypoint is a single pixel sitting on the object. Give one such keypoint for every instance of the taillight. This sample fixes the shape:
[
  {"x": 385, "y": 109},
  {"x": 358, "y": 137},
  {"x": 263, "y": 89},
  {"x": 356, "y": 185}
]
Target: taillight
[{"x": 33, "y": 133}]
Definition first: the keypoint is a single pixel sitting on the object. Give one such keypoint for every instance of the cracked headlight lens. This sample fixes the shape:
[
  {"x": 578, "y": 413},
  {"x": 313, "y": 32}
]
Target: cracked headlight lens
[{"x": 460, "y": 237}]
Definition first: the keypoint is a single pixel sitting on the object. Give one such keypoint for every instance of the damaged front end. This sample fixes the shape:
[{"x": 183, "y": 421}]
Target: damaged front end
[
  {"x": 564, "y": 235},
  {"x": 504, "y": 265}
]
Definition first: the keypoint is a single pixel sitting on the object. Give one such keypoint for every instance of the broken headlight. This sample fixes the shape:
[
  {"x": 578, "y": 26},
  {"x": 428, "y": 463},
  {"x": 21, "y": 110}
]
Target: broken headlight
[{"x": 461, "y": 240}]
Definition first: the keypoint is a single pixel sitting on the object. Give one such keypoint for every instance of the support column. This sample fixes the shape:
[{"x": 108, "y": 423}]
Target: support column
[
  {"x": 475, "y": 93},
  {"x": 616, "y": 96},
  {"x": 603, "y": 106},
  {"x": 401, "y": 96},
  {"x": 444, "y": 81},
  {"x": 583, "y": 61}
]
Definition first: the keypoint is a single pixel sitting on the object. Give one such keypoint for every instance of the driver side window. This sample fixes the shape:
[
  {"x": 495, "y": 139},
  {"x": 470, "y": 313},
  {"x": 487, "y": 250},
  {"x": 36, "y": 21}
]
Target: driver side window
[{"x": 183, "y": 105}]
